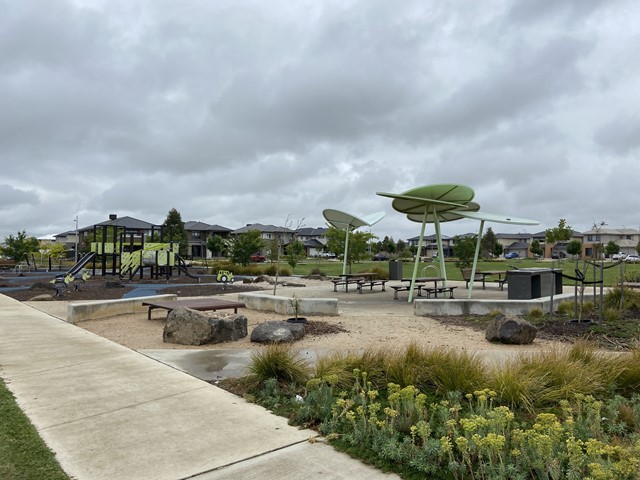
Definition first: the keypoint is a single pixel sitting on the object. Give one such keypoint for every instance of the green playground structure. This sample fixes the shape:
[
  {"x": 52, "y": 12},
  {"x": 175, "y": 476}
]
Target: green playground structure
[{"x": 127, "y": 252}]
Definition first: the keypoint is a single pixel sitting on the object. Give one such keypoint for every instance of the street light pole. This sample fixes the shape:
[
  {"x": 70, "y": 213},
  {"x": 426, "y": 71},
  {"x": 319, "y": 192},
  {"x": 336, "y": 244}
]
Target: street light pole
[{"x": 76, "y": 247}]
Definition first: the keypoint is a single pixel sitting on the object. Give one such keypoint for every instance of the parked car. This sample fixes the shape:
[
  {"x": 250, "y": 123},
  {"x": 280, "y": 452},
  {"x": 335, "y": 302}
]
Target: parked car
[
  {"x": 257, "y": 258},
  {"x": 511, "y": 255},
  {"x": 380, "y": 257},
  {"x": 618, "y": 256},
  {"x": 327, "y": 255},
  {"x": 632, "y": 258}
]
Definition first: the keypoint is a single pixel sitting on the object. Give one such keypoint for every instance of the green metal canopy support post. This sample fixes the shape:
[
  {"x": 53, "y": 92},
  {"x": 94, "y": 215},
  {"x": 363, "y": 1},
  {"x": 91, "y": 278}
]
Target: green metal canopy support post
[
  {"x": 475, "y": 259},
  {"x": 436, "y": 223},
  {"x": 417, "y": 261},
  {"x": 346, "y": 250}
]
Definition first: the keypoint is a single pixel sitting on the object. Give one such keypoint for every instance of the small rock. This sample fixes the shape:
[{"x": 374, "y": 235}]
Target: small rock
[{"x": 277, "y": 332}]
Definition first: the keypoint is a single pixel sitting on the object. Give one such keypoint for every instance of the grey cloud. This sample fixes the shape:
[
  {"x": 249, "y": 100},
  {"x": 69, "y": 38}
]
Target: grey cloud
[{"x": 621, "y": 135}]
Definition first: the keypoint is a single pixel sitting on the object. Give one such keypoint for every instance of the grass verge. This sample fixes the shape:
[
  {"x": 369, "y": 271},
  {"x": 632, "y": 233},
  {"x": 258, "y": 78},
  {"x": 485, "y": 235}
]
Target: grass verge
[{"x": 23, "y": 454}]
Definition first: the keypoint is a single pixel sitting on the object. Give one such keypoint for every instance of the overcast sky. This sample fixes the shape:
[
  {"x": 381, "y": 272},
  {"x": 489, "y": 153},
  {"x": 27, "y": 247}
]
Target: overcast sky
[{"x": 236, "y": 112}]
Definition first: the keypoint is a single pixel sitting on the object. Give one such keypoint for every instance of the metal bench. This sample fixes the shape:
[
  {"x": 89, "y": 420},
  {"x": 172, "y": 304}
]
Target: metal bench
[
  {"x": 437, "y": 290},
  {"x": 406, "y": 288}
]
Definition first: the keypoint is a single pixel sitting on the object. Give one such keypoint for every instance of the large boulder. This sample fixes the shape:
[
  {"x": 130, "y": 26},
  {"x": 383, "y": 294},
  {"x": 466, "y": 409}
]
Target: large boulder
[
  {"x": 190, "y": 327},
  {"x": 277, "y": 332},
  {"x": 510, "y": 329}
]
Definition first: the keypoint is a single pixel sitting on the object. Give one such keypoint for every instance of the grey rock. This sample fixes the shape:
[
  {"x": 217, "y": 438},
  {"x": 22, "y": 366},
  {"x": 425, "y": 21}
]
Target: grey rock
[
  {"x": 190, "y": 327},
  {"x": 277, "y": 332},
  {"x": 113, "y": 284},
  {"x": 511, "y": 330}
]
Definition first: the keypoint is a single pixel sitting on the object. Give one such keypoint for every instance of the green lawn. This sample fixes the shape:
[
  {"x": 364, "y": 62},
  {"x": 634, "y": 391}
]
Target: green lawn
[
  {"x": 23, "y": 454},
  {"x": 611, "y": 275}
]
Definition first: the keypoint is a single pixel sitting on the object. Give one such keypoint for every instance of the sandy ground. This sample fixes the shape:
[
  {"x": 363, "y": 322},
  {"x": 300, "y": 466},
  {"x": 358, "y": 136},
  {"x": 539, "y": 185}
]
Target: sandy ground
[{"x": 371, "y": 320}]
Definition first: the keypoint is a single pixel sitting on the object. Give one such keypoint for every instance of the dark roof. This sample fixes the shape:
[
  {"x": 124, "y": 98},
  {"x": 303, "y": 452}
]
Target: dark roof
[
  {"x": 125, "y": 222},
  {"x": 518, "y": 246},
  {"x": 262, "y": 228},
  {"x": 514, "y": 235},
  {"x": 311, "y": 232},
  {"x": 428, "y": 238},
  {"x": 313, "y": 243},
  {"x": 204, "y": 227}
]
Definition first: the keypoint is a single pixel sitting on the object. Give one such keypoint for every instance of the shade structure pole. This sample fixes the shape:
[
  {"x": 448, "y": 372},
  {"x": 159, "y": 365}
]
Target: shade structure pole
[
  {"x": 475, "y": 258},
  {"x": 418, "y": 254},
  {"x": 436, "y": 223},
  {"x": 346, "y": 249}
]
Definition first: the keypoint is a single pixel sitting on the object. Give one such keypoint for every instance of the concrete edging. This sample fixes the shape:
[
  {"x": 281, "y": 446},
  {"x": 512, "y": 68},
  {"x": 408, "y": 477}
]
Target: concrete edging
[
  {"x": 281, "y": 305},
  {"x": 469, "y": 306},
  {"x": 108, "y": 308}
]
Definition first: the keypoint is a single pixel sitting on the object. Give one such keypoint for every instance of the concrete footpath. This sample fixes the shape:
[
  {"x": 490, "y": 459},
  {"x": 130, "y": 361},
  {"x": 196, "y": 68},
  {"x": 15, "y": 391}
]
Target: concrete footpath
[{"x": 109, "y": 412}]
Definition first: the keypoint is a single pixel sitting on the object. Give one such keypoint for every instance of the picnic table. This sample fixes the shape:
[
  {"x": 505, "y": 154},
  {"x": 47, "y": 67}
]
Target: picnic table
[
  {"x": 201, "y": 304},
  {"x": 360, "y": 279},
  {"x": 499, "y": 273},
  {"x": 420, "y": 285}
]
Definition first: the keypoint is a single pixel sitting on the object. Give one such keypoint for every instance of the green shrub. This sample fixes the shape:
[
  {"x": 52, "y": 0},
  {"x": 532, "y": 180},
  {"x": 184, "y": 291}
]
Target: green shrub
[
  {"x": 536, "y": 313},
  {"x": 280, "y": 362},
  {"x": 566, "y": 309}
]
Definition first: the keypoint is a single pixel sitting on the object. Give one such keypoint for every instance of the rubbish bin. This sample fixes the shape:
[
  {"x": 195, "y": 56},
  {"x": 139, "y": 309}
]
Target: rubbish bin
[{"x": 395, "y": 270}]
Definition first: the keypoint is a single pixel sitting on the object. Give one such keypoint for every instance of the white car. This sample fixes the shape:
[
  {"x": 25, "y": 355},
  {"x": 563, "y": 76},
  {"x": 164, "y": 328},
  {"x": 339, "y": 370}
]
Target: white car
[
  {"x": 632, "y": 258},
  {"x": 618, "y": 256}
]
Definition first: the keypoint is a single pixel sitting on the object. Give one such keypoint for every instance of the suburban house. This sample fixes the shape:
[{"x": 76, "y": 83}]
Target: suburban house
[
  {"x": 430, "y": 245},
  {"x": 314, "y": 240},
  {"x": 596, "y": 239},
  {"x": 269, "y": 234},
  {"x": 197, "y": 235}
]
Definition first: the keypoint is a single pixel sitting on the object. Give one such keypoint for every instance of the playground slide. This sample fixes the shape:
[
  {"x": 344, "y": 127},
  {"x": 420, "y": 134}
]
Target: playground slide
[
  {"x": 81, "y": 263},
  {"x": 182, "y": 266}
]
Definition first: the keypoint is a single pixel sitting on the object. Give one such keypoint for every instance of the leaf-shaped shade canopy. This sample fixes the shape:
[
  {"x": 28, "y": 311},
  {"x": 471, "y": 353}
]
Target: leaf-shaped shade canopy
[
  {"x": 343, "y": 220},
  {"x": 439, "y": 197}
]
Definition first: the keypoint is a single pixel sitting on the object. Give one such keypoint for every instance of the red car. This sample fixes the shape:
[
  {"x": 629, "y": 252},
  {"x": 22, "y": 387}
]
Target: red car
[{"x": 257, "y": 258}]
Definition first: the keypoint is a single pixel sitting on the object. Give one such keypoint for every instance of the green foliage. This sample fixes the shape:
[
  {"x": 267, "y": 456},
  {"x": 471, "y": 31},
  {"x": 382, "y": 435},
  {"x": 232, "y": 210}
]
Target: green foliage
[
  {"x": 536, "y": 312},
  {"x": 280, "y": 362},
  {"x": 464, "y": 249},
  {"x": 565, "y": 308},
  {"x": 488, "y": 244},
  {"x": 273, "y": 268},
  {"x": 242, "y": 246},
  {"x": 558, "y": 414},
  {"x": 295, "y": 253},
  {"x": 23, "y": 454},
  {"x": 173, "y": 230},
  {"x": 216, "y": 245},
  {"x": 574, "y": 247},
  {"x": 611, "y": 248},
  {"x": 358, "y": 243},
  {"x": 272, "y": 247},
  {"x": 561, "y": 233},
  {"x": 535, "y": 248},
  {"x": 19, "y": 247}
]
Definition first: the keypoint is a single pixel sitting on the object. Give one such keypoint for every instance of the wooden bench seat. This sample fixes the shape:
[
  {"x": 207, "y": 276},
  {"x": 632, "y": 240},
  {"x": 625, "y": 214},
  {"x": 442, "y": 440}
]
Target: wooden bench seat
[
  {"x": 371, "y": 283},
  {"x": 405, "y": 288},
  {"x": 437, "y": 290},
  {"x": 466, "y": 275},
  {"x": 346, "y": 282}
]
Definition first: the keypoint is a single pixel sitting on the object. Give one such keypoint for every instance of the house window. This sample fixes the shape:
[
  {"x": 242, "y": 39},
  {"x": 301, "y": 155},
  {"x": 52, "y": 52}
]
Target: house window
[{"x": 195, "y": 234}]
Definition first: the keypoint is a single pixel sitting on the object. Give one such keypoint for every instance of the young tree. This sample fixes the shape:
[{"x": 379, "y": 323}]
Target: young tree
[
  {"x": 244, "y": 245},
  {"x": 536, "y": 248},
  {"x": 273, "y": 249},
  {"x": 561, "y": 233},
  {"x": 574, "y": 247},
  {"x": 358, "y": 243},
  {"x": 215, "y": 244},
  {"x": 174, "y": 231},
  {"x": 295, "y": 253},
  {"x": 611, "y": 248},
  {"x": 19, "y": 247},
  {"x": 488, "y": 243},
  {"x": 464, "y": 249}
]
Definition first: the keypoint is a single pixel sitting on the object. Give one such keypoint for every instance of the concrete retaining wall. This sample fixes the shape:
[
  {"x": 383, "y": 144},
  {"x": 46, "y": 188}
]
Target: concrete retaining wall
[
  {"x": 77, "y": 312},
  {"x": 281, "y": 305},
  {"x": 469, "y": 306}
]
